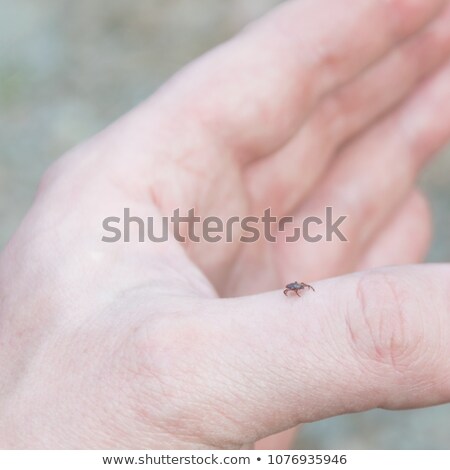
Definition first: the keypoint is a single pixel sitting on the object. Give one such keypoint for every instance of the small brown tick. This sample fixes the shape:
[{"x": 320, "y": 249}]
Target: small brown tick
[{"x": 296, "y": 287}]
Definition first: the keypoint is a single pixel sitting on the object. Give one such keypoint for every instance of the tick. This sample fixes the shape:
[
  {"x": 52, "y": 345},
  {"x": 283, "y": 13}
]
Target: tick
[{"x": 296, "y": 287}]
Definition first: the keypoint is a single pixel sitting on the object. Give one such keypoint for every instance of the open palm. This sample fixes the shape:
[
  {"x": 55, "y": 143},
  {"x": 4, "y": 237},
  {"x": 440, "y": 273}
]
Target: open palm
[
  {"x": 297, "y": 118},
  {"x": 308, "y": 108}
]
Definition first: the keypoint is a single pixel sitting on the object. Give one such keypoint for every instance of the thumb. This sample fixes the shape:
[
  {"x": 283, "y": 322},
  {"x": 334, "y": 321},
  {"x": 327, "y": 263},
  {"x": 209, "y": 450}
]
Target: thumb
[{"x": 367, "y": 340}]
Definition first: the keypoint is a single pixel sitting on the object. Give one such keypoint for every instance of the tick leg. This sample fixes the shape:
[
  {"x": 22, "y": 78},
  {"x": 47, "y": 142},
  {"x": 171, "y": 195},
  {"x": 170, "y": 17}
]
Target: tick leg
[
  {"x": 286, "y": 292},
  {"x": 308, "y": 286},
  {"x": 297, "y": 292}
]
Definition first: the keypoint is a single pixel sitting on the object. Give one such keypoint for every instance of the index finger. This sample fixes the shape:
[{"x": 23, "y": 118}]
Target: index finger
[{"x": 368, "y": 340}]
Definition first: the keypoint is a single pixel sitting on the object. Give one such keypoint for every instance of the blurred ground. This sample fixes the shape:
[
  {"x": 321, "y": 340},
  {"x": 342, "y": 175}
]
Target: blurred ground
[{"x": 68, "y": 68}]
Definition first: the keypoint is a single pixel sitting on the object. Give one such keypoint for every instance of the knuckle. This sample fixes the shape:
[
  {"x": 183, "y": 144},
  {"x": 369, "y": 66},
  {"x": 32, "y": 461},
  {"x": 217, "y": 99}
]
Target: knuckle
[
  {"x": 157, "y": 385},
  {"x": 66, "y": 172},
  {"x": 49, "y": 177},
  {"x": 403, "y": 15},
  {"x": 155, "y": 350},
  {"x": 337, "y": 111},
  {"x": 175, "y": 378},
  {"x": 169, "y": 374},
  {"x": 423, "y": 54},
  {"x": 57, "y": 179},
  {"x": 386, "y": 332},
  {"x": 327, "y": 60}
]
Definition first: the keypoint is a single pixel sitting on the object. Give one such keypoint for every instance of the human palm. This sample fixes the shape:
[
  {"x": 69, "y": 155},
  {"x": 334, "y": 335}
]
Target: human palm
[{"x": 286, "y": 140}]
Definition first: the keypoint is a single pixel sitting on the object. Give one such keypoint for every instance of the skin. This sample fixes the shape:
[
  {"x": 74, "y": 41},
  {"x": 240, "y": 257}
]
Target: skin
[{"x": 130, "y": 345}]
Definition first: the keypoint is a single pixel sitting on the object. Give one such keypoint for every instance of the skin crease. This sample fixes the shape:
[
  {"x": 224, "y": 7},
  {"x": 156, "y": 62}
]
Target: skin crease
[{"x": 131, "y": 345}]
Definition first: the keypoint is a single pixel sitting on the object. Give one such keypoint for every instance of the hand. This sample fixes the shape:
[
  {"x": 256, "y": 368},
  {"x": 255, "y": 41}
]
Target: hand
[{"x": 128, "y": 345}]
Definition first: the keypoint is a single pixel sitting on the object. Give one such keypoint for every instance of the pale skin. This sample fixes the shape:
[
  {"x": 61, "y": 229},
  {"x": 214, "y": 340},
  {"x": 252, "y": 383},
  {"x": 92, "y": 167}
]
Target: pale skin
[{"x": 170, "y": 346}]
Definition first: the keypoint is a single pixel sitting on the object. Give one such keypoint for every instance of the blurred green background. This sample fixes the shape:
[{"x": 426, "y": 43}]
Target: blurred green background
[{"x": 67, "y": 69}]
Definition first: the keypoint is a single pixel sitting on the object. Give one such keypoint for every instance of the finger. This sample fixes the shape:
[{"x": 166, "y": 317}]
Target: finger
[
  {"x": 281, "y": 181},
  {"x": 378, "y": 339},
  {"x": 405, "y": 240},
  {"x": 250, "y": 95},
  {"x": 289, "y": 59},
  {"x": 384, "y": 164},
  {"x": 372, "y": 177}
]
